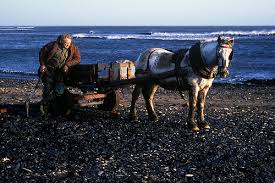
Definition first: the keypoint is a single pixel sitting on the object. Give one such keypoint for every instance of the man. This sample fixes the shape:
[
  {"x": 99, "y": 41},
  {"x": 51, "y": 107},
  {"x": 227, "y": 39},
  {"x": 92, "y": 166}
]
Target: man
[{"x": 55, "y": 59}]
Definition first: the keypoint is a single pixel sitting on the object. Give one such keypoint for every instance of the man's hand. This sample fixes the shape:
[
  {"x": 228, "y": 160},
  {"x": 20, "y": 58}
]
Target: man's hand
[
  {"x": 65, "y": 68},
  {"x": 42, "y": 69}
]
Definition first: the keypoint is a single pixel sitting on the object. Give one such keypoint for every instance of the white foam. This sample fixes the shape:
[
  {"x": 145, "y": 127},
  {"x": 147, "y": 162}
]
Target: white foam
[
  {"x": 178, "y": 35},
  {"x": 25, "y": 27},
  {"x": 21, "y": 28},
  {"x": 80, "y": 35},
  {"x": 245, "y": 33},
  {"x": 232, "y": 33}
]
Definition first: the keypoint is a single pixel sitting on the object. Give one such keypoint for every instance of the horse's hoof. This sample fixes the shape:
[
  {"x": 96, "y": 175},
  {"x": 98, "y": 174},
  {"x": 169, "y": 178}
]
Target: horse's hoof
[
  {"x": 204, "y": 125},
  {"x": 133, "y": 117},
  {"x": 154, "y": 118},
  {"x": 115, "y": 114},
  {"x": 194, "y": 127}
]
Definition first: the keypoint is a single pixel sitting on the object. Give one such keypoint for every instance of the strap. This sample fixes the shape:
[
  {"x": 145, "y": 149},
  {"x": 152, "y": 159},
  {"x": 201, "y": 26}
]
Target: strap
[
  {"x": 177, "y": 72},
  {"x": 178, "y": 86},
  {"x": 149, "y": 56}
]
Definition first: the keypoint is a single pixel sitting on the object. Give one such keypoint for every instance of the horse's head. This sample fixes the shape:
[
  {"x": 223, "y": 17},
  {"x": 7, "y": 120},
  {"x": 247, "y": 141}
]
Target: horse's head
[{"x": 224, "y": 55}]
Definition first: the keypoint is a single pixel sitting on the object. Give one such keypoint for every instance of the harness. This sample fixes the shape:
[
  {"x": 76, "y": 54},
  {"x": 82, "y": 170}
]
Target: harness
[
  {"x": 149, "y": 56},
  {"x": 177, "y": 58},
  {"x": 198, "y": 64}
]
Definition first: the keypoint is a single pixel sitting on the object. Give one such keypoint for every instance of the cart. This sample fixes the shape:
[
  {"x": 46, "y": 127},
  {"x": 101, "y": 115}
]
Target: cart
[{"x": 97, "y": 85}]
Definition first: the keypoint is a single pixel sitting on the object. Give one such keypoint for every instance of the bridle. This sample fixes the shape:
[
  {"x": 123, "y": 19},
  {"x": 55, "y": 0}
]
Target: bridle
[{"x": 218, "y": 56}]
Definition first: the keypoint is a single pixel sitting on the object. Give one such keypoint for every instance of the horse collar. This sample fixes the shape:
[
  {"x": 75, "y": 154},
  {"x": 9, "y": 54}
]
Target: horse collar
[{"x": 198, "y": 64}]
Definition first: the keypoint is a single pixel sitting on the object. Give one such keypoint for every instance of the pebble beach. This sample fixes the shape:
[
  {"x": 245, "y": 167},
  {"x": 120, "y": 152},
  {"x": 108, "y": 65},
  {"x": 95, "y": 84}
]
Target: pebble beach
[{"x": 94, "y": 146}]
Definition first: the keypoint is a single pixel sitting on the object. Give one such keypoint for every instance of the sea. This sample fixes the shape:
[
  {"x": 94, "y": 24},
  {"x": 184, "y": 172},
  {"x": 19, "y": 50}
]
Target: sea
[{"x": 254, "y": 47}]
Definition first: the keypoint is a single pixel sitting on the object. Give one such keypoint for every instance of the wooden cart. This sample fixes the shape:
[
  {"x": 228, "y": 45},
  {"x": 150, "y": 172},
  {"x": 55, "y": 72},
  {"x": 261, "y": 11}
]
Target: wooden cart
[
  {"x": 98, "y": 84},
  {"x": 94, "y": 85}
]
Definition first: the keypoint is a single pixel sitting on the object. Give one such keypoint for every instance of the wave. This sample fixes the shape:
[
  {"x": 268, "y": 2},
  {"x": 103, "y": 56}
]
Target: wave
[
  {"x": 19, "y": 28},
  {"x": 245, "y": 33},
  {"x": 91, "y": 36},
  {"x": 25, "y": 27},
  {"x": 114, "y": 36},
  {"x": 177, "y": 35},
  {"x": 133, "y": 36},
  {"x": 225, "y": 33},
  {"x": 146, "y": 33}
]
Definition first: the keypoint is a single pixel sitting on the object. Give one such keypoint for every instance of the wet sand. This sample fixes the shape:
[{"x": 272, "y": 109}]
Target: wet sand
[{"x": 93, "y": 146}]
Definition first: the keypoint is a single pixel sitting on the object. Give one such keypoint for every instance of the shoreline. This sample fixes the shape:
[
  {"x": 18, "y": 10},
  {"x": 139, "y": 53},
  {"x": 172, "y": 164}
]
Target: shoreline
[{"x": 94, "y": 146}]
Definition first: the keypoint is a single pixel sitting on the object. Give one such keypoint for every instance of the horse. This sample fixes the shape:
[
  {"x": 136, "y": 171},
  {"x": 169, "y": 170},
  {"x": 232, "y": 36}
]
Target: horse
[{"x": 197, "y": 69}]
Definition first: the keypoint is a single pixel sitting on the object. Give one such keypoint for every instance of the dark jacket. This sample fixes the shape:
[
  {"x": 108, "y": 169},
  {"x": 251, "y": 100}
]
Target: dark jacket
[{"x": 48, "y": 51}]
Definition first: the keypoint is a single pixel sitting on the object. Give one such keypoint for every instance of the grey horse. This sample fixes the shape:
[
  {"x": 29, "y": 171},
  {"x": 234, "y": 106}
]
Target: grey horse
[{"x": 198, "y": 67}]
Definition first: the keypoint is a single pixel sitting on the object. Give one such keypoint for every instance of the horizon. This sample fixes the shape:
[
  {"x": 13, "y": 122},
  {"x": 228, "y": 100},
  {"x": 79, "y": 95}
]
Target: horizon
[{"x": 137, "y": 25}]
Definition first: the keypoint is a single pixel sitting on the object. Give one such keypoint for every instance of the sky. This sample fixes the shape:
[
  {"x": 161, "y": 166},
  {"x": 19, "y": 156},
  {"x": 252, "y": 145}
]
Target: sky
[{"x": 136, "y": 12}]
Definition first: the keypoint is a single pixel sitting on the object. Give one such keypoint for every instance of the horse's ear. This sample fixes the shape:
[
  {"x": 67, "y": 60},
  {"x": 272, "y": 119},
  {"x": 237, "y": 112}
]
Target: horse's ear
[{"x": 219, "y": 39}]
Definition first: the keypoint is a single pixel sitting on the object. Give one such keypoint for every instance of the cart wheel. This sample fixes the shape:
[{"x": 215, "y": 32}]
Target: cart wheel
[{"x": 111, "y": 102}]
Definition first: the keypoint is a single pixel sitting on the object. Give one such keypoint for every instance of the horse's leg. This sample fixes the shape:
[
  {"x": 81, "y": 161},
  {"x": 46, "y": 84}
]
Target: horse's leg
[
  {"x": 135, "y": 95},
  {"x": 201, "y": 101},
  {"x": 148, "y": 94},
  {"x": 193, "y": 95}
]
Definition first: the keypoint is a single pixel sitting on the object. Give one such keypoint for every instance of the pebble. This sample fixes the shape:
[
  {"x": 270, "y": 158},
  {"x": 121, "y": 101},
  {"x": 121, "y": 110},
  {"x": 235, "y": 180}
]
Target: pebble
[
  {"x": 5, "y": 159},
  {"x": 100, "y": 173},
  {"x": 189, "y": 175}
]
